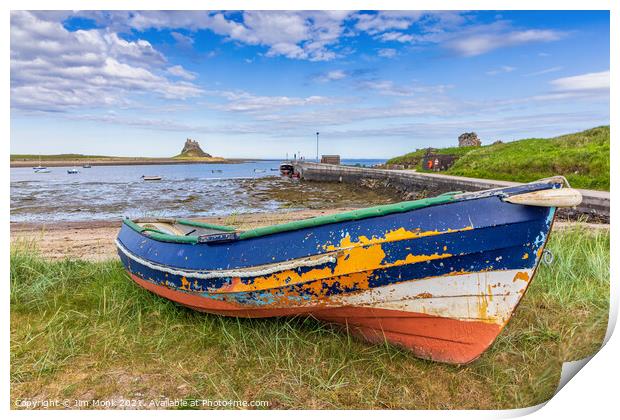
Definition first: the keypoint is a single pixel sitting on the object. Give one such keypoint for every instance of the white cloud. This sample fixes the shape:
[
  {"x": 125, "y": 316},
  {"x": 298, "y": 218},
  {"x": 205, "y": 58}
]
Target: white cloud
[
  {"x": 241, "y": 101},
  {"x": 298, "y": 35},
  {"x": 316, "y": 35},
  {"x": 395, "y": 36},
  {"x": 583, "y": 82},
  {"x": 183, "y": 40},
  {"x": 387, "y": 52},
  {"x": 545, "y": 71},
  {"x": 331, "y": 76},
  {"x": 453, "y": 30},
  {"x": 386, "y": 20},
  {"x": 53, "y": 69},
  {"x": 480, "y": 43},
  {"x": 179, "y": 71},
  {"x": 501, "y": 69},
  {"x": 389, "y": 88}
]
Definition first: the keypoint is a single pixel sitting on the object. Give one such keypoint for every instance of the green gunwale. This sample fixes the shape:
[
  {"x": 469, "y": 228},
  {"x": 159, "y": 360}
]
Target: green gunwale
[
  {"x": 299, "y": 224},
  {"x": 346, "y": 216}
]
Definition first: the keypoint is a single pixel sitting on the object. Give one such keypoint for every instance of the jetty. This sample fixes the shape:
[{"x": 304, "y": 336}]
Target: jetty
[{"x": 595, "y": 204}]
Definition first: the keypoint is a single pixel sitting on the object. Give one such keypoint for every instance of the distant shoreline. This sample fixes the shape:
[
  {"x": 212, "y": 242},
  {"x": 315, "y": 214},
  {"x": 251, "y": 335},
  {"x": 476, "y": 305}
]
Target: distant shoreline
[{"x": 28, "y": 163}]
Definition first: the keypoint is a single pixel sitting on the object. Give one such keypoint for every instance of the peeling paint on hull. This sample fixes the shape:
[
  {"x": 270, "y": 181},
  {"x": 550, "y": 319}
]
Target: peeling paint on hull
[
  {"x": 450, "y": 329},
  {"x": 441, "y": 281},
  {"x": 430, "y": 337}
]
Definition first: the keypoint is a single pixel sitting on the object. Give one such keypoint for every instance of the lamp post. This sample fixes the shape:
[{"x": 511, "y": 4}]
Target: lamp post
[{"x": 317, "y": 147}]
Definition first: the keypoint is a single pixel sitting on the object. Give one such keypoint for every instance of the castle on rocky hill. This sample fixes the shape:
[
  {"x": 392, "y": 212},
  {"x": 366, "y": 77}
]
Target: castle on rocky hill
[{"x": 192, "y": 149}]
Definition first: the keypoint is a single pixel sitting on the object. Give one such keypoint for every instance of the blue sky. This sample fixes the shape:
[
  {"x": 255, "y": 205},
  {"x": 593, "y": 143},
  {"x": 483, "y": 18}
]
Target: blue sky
[{"x": 260, "y": 84}]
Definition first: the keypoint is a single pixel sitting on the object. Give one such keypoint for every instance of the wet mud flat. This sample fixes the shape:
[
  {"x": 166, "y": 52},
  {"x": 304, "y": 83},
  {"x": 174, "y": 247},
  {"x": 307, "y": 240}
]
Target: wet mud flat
[{"x": 33, "y": 201}]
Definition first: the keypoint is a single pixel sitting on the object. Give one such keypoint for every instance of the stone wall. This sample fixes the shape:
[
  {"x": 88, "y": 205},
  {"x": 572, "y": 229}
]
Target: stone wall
[{"x": 412, "y": 185}]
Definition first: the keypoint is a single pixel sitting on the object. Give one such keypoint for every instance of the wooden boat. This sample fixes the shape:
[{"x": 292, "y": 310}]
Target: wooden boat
[
  {"x": 151, "y": 177},
  {"x": 440, "y": 276}
]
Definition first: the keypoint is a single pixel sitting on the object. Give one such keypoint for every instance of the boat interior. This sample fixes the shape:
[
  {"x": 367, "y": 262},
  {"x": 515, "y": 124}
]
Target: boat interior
[{"x": 177, "y": 228}]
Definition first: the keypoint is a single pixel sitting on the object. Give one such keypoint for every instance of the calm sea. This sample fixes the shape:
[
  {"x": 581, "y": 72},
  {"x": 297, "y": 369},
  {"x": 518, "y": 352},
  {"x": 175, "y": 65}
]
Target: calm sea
[{"x": 106, "y": 192}]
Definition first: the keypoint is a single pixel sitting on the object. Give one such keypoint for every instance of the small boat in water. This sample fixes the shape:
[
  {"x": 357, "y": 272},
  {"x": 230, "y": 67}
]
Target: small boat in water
[
  {"x": 42, "y": 171},
  {"x": 151, "y": 178},
  {"x": 73, "y": 171},
  {"x": 39, "y": 167},
  {"x": 287, "y": 168},
  {"x": 439, "y": 276},
  {"x": 259, "y": 170},
  {"x": 86, "y": 166},
  {"x": 216, "y": 171}
]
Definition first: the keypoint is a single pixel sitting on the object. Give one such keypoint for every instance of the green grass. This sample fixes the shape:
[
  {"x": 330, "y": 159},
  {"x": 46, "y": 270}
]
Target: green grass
[
  {"x": 84, "y": 330},
  {"x": 582, "y": 157}
]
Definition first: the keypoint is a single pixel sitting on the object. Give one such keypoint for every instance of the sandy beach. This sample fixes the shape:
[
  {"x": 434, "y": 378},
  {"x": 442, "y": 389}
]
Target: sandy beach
[{"x": 94, "y": 241}]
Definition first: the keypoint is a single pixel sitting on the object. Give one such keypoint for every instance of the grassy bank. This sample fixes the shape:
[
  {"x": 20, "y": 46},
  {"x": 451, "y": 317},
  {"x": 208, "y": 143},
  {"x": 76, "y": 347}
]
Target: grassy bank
[
  {"x": 582, "y": 157},
  {"x": 84, "y": 330}
]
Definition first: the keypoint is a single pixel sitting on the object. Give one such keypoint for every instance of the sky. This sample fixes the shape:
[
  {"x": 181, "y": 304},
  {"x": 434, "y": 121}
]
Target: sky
[{"x": 262, "y": 83}]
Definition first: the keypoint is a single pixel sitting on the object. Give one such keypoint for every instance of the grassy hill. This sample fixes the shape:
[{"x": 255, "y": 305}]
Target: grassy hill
[{"x": 583, "y": 158}]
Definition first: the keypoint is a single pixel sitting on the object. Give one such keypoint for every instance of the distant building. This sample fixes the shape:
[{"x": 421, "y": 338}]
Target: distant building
[
  {"x": 434, "y": 161},
  {"x": 469, "y": 139},
  {"x": 331, "y": 159}
]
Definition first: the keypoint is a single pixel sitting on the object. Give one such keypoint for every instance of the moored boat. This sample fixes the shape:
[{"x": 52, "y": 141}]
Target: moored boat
[
  {"x": 39, "y": 168},
  {"x": 286, "y": 168},
  {"x": 440, "y": 276},
  {"x": 73, "y": 171},
  {"x": 151, "y": 177}
]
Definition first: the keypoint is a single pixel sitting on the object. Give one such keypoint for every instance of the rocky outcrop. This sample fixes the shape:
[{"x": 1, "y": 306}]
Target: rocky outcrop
[
  {"x": 469, "y": 139},
  {"x": 192, "y": 149}
]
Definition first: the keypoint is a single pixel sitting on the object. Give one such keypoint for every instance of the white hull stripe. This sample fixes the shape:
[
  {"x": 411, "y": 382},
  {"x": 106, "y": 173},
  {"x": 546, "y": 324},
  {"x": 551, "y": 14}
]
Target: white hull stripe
[
  {"x": 486, "y": 296},
  {"x": 242, "y": 273}
]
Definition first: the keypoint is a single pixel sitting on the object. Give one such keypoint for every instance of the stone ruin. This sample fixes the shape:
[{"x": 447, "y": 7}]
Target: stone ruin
[
  {"x": 469, "y": 139},
  {"x": 192, "y": 148}
]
